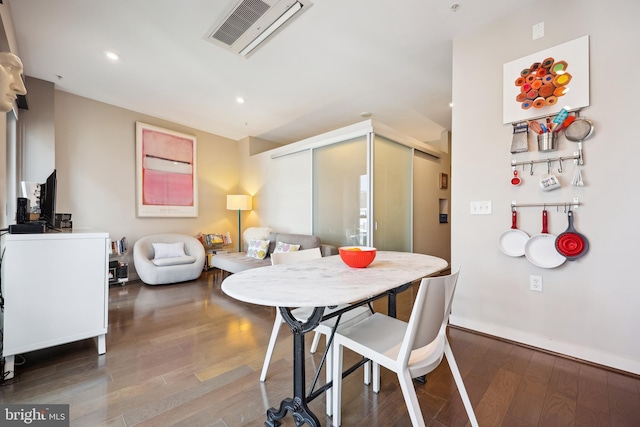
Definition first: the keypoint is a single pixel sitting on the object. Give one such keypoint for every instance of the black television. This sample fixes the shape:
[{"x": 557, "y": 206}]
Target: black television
[{"x": 48, "y": 201}]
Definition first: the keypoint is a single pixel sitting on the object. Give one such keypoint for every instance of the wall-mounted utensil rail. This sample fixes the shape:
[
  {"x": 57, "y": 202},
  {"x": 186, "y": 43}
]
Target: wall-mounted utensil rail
[
  {"x": 544, "y": 117},
  {"x": 573, "y": 205},
  {"x": 577, "y": 155}
]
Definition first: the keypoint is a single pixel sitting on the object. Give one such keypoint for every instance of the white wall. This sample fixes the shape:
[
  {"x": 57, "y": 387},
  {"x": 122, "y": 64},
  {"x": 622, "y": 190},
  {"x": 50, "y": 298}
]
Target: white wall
[
  {"x": 281, "y": 190},
  {"x": 38, "y": 158},
  {"x": 588, "y": 308}
]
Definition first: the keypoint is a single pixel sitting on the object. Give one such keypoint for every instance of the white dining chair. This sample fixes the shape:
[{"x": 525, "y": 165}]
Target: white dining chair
[
  {"x": 326, "y": 328},
  {"x": 410, "y": 349}
]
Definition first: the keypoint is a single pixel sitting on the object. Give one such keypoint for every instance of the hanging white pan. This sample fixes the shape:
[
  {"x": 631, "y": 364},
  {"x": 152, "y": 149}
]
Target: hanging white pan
[
  {"x": 540, "y": 249},
  {"x": 512, "y": 241}
]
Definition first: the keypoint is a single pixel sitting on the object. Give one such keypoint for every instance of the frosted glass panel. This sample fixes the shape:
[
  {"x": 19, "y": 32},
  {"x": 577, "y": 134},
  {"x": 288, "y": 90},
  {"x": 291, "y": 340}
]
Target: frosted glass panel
[
  {"x": 341, "y": 193},
  {"x": 392, "y": 183}
]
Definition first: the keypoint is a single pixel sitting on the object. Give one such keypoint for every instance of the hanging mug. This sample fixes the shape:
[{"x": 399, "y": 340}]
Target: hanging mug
[{"x": 549, "y": 182}]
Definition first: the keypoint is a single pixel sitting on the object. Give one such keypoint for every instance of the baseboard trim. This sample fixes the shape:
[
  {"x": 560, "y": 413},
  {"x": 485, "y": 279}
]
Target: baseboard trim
[{"x": 597, "y": 359}]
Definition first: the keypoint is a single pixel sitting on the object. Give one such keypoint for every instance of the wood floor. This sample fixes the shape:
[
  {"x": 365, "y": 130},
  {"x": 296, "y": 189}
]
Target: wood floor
[{"x": 188, "y": 355}]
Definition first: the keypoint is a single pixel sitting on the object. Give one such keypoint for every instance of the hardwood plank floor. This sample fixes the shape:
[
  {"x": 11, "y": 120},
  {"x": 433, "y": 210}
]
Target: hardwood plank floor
[{"x": 188, "y": 355}]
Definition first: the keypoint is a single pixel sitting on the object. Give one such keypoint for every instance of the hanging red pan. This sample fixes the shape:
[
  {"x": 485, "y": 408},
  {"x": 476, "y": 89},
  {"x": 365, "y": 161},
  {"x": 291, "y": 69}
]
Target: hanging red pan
[{"x": 571, "y": 244}]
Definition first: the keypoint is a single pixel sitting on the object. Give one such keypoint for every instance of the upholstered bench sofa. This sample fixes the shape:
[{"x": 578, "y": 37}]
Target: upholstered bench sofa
[{"x": 236, "y": 262}]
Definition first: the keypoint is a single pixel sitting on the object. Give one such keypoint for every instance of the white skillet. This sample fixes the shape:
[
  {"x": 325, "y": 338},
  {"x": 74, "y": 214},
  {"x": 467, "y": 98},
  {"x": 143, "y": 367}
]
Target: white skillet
[
  {"x": 512, "y": 241},
  {"x": 540, "y": 249}
]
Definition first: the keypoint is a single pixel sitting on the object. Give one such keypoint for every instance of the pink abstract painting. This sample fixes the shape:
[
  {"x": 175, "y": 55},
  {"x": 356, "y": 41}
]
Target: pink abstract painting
[{"x": 166, "y": 166}]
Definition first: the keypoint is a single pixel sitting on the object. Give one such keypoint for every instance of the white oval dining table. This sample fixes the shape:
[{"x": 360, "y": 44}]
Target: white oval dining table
[{"x": 320, "y": 283}]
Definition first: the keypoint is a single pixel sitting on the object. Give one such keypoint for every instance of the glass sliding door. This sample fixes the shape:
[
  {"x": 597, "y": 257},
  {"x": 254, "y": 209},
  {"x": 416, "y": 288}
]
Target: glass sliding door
[
  {"x": 392, "y": 195},
  {"x": 341, "y": 193}
]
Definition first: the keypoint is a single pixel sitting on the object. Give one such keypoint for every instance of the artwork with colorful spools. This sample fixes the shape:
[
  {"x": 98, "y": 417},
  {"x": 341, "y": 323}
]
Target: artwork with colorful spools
[{"x": 542, "y": 83}]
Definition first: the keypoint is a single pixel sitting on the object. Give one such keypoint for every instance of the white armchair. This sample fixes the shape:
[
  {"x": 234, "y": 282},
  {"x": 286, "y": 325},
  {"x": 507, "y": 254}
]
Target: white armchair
[{"x": 168, "y": 258}]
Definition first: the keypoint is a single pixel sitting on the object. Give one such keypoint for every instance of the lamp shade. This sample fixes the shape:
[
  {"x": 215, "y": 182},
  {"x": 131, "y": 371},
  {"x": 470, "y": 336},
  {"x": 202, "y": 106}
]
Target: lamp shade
[{"x": 238, "y": 202}]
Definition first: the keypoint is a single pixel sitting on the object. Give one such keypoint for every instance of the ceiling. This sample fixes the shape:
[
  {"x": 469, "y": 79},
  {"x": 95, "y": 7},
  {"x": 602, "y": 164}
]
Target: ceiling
[{"x": 334, "y": 62}]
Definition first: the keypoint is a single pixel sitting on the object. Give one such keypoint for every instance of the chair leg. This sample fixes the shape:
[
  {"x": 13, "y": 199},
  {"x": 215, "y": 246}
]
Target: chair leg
[
  {"x": 328, "y": 376},
  {"x": 367, "y": 373},
  {"x": 272, "y": 343},
  {"x": 337, "y": 383},
  {"x": 376, "y": 376},
  {"x": 458, "y": 379},
  {"x": 316, "y": 341},
  {"x": 410, "y": 398}
]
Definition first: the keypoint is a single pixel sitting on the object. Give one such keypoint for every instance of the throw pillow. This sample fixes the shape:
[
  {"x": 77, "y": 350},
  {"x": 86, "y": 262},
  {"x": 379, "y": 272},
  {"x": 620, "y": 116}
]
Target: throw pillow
[
  {"x": 285, "y": 247},
  {"x": 168, "y": 250},
  {"x": 258, "y": 249},
  {"x": 256, "y": 233}
]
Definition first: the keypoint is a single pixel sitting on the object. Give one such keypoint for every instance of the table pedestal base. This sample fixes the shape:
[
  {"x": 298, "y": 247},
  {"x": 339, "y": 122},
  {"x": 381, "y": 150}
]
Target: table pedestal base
[
  {"x": 301, "y": 414},
  {"x": 298, "y": 404}
]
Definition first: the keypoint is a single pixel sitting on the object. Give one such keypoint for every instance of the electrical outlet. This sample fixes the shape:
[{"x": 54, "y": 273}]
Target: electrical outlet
[
  {"x": 535, "y": 283},
  {"x": 481, "y": 207}
]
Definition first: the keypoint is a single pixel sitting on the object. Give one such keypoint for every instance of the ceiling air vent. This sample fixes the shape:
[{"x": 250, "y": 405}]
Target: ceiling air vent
[{"x": 248, "y": 23}]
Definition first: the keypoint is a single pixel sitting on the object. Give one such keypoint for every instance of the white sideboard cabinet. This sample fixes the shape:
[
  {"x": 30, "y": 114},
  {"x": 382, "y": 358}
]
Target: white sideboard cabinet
[{"x": 55, "y": 290}]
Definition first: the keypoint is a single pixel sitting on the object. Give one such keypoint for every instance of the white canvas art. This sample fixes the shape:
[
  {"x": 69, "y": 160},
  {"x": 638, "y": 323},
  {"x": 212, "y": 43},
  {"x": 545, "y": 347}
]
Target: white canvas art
[{"x": 543, "y": 83}]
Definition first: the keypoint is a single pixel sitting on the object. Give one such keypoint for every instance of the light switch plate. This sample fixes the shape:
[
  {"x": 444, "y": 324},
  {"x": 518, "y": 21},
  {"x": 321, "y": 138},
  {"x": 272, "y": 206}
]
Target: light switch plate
[
  {"x": 538, "y": 31},
  {"x": 481, "y": 207}
]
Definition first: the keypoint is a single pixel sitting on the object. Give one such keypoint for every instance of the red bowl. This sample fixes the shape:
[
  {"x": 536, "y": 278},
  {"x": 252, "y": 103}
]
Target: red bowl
[{"x": 357, "y": 256}]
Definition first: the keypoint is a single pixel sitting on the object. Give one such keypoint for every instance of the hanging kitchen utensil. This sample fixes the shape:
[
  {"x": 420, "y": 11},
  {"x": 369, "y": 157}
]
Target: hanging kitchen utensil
[
  {"x": 559, "y": 119},
  {"x": 579, "y": 130},
  {"x": 516, "y": 180},
  {"x": 540, "y": 249},
  {"x": 566, "y": 122},
  {"x": 512, "y": 241},
  {"x": 571, "y": 244},
  {"x": 520, "y": 140},
  {"x": 549, "y": 182},
  {"x": 534, "y": 125},
  {"x": 577, "y": 175}
]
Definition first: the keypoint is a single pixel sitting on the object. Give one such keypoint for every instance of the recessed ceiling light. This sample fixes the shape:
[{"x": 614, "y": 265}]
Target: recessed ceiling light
[
  {"x": 112, "y": 55},
  {"x": 451, "y": 104},
  {"x": 455, "y": 7},
  {"x": 240, "y": 100},
  {"x": 365, "y": 114}
]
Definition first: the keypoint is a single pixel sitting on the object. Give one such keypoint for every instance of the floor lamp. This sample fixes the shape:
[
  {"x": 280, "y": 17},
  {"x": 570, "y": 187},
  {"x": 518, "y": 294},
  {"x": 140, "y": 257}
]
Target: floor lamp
[{"x": 240, "y": 203}]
